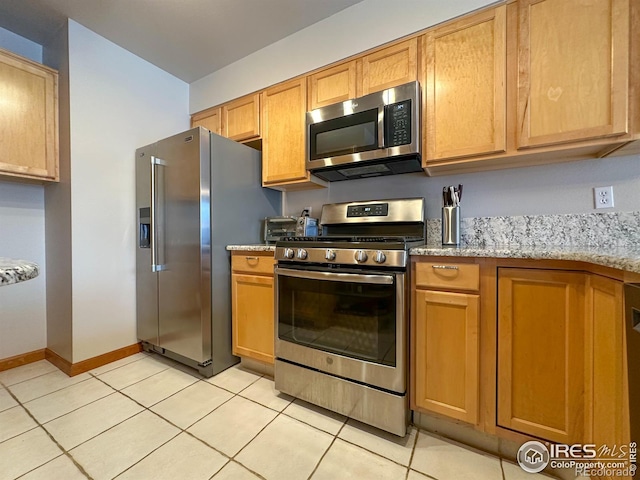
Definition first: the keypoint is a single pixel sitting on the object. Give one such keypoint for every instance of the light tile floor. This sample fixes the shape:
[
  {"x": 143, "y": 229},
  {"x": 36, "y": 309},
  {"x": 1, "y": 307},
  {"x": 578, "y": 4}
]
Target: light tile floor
[{"x": 143, "y": 417}]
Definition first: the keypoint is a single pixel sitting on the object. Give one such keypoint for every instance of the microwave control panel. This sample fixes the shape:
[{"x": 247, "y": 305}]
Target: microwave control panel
[{"x": 397, "y": 124}]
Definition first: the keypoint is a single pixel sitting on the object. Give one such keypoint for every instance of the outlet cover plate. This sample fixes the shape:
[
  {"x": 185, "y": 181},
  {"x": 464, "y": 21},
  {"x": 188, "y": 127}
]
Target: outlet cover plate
[{"x": 603, "y": 197}]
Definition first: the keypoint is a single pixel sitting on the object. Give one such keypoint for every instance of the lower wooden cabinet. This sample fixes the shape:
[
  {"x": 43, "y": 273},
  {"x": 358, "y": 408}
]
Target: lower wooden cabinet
[
  {"x": 605, "y": 390},
  {"x": 445, "y": 340},
  {"x": 252, "y": 305},
  {"x": 446, "y": 354},
  {"x": 541, "y": 353}
]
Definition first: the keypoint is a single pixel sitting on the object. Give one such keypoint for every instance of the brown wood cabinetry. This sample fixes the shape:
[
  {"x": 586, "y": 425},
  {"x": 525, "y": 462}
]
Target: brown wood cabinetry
[
  {"x": 606, "y": 395},
  {"x": 573, "y": 70},
  {"x": 465, "y": 84},
  {"x": 445, "y": 341},
  {"x": 210, "y": 119},
  {"x": 241, "y": 118},
  {"x": 332, "y": 85},
  {"x": 252, "y": 305},
  {"x": 283, "y": 145},
  {"x": 388, "y": 67},
  {"x": 541, "y": 353},
  {"x": 28, "y": 119}
]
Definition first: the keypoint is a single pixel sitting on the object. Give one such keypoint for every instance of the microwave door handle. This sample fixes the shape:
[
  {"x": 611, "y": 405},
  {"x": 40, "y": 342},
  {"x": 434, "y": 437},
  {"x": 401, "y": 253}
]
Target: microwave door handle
[
  {"x": 336, "y": 277},
  {"x": 381, "y": 122}
]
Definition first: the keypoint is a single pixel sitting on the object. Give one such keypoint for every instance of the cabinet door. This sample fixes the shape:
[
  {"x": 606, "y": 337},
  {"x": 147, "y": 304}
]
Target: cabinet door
[
  {"x": 252, "y": 316},
  {"x": 332, "y": 85},
  {"x": 446, "y": 354},
  {"x": 465, "y": 86},
  {"x": 283, "y": 143},
  {"x": 573, "y": 70},
  {"x": 209, "y": 119},
  {"x": 28, "y": 118},
  {"x": 541, "y": 353},
  {"x": 241, "y": 118},
  {"x": 390, "y": 66},
  {"x": 607, "y": 416}
]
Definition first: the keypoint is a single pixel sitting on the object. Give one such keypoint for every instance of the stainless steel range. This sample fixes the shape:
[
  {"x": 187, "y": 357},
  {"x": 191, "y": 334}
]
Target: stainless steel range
[{"x": 342, "y": 309}]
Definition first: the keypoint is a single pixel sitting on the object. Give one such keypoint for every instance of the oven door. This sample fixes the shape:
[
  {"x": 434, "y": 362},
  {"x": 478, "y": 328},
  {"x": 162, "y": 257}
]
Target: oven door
[{"x": 352, "y": 325}]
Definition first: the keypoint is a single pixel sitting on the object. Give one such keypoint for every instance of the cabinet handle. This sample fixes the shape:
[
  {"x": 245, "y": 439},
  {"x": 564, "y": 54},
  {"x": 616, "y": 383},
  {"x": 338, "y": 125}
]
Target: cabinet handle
[
  {"x": 445, "y": 267},
  {"x": 252, "y": 258}
]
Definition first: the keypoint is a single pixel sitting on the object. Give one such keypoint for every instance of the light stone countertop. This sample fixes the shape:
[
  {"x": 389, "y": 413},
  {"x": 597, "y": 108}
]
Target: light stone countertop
[
  {"x": 253, "y": 248},
  {"x": 622, "y": 258},
  {"x": 15, "y": 271}
]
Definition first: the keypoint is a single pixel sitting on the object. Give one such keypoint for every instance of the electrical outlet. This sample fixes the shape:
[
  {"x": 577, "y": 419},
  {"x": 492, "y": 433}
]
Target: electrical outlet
[
  {"x": 603, "y": 197},
  {"x": 308, "y": 209}
]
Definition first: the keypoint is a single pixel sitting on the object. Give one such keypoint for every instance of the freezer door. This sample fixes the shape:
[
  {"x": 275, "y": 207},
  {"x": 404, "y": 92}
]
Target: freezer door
[
  {"x": 146, "y": 278},
  {"x": 183, "y": 244}
]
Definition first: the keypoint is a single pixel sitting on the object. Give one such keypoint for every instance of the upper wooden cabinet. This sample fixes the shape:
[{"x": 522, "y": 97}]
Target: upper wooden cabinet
[
  {"x": 383, "y": 68},
  {"x": 573, "y": 70},
  {"x": 28, "y": 119},
  {"x": 332, "y": 85},
  {"x": 465, "y": 84},
  {"x": 389, "y": 67},
  {"x": 541, "y": 357},
  {"x": 210, "y": 119},
  {"x": 241, "y": 118},
  {"x": 283, "y": 147}
]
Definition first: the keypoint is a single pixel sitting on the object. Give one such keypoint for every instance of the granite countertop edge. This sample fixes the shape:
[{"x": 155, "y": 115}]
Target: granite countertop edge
[
  {"x": 252, "y": 248},
  {"x": 15, "y": 271},
  {"x": 622, "y": 258}
]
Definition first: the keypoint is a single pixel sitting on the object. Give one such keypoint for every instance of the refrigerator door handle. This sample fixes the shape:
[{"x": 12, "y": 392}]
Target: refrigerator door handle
[{"x": 156, "y": 266}]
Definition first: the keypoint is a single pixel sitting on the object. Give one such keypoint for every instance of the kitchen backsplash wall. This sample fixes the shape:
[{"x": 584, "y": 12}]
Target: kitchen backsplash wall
[
  {"x": 614, "y": 229},
  {"x": 564, "y": 188}
]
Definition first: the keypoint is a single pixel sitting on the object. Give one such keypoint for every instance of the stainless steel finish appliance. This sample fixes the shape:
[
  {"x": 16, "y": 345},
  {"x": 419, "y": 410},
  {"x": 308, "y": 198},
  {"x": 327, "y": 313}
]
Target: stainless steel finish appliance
[
  {"x": 342, "y": 310},
  {"x": 196, "y": 193},
  {"x": 276, "y": 228},
  {"x": 632, "y": 318},
  {"x": 374, "y": 135}
]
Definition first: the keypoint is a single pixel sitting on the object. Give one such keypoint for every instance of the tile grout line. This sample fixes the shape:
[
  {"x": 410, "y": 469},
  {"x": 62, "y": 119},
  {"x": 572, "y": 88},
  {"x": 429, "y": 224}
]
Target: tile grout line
[
  {"x": 418, "y": 432},
  {"x": 324, "y": 454},
  {"x": 413, "y": 451},
  {"x": 64, "y": 451},
  {"x": 184, "y": 430}
]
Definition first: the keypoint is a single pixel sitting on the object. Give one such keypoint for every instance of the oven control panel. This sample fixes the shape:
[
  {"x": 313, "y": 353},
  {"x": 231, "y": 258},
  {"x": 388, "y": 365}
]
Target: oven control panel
[
  {"x": 370, "y": 210},
  {"x": 342, "y": 256}
]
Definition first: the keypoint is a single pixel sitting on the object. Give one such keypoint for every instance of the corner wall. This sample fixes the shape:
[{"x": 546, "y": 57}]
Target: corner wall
[{"x": 118, "y": 102}]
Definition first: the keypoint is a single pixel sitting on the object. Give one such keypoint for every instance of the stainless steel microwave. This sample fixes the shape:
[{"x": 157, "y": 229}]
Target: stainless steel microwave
[{"x": 371, "y": 136}]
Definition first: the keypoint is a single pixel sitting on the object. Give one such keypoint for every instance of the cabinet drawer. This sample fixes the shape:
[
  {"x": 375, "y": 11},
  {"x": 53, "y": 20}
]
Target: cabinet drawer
[
  {"x": 252, "y": 263},
  {"x": 462, "y": 276}
]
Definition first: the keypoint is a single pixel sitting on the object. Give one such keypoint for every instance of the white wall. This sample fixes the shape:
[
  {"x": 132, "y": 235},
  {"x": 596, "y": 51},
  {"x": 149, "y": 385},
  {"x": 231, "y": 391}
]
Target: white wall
[
  {"x": 365, "y": 25},
  {"x": 546, "y": 189},
  {"x": 118, "y": 102},
  {"x": 22, "y": 306}
]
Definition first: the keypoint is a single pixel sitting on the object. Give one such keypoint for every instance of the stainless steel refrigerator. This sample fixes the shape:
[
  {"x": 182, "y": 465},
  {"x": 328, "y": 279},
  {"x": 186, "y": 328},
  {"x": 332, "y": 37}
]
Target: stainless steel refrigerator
[{"x": 196, "y": 192}]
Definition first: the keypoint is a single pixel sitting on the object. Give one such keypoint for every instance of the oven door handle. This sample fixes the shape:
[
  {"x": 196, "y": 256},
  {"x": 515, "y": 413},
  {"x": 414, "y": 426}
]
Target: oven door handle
[{"x": 336, "y": 277}]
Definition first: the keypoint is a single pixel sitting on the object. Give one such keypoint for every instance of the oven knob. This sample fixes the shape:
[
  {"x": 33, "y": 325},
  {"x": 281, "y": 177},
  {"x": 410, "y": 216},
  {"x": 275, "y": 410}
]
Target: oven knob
[
  {"x": 302, "y": 253},
  {"x": 330, "y": 255},
  {"x": 288, "y": 253},
  {"x": 361, "y": 256},
  {"x": 380, "y": 257}
]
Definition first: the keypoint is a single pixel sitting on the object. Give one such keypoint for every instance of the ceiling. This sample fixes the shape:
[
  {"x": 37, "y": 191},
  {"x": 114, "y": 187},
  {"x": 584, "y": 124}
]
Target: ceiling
[{"x": 187, "y": 38}]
